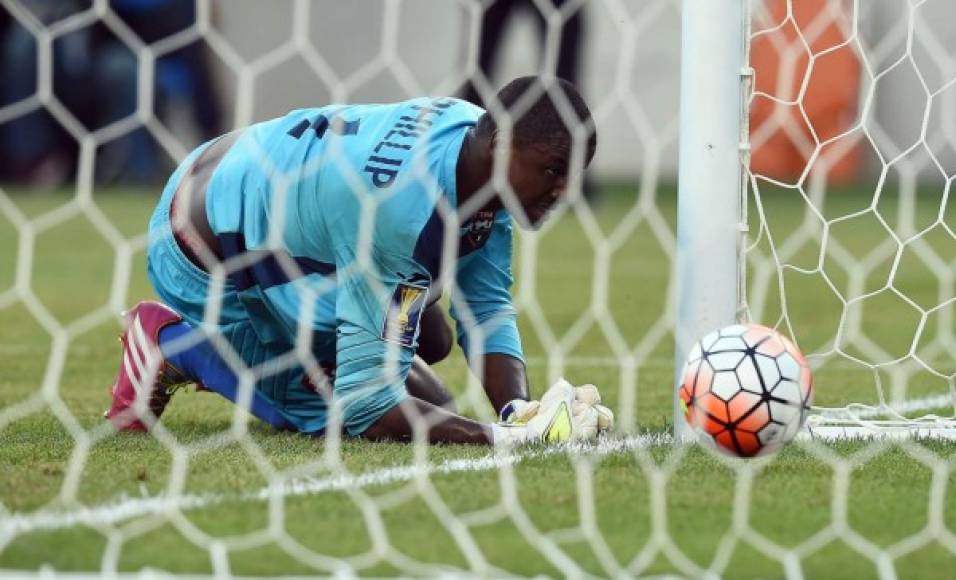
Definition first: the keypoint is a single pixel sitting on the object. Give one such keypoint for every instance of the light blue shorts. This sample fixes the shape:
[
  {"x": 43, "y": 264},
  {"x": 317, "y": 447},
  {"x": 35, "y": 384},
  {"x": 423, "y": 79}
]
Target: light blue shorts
[{"x": 281, "y": 377}]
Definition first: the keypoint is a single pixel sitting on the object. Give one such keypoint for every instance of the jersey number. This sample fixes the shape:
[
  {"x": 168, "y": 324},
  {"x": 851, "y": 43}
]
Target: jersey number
[{"x": 321, "y": 124}]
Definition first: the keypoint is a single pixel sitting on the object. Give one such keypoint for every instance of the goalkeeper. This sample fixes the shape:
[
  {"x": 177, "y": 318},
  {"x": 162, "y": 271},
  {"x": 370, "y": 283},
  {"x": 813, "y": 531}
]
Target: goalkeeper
[{"x": 312, "y": 249}]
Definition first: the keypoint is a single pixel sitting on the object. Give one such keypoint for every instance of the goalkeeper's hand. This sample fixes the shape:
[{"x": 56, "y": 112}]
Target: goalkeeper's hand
[{"x": 564, "y": 413}]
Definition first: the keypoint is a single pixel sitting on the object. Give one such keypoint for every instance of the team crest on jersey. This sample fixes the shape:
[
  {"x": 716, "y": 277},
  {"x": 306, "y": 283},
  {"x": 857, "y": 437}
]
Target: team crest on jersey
[
  {"x": 475, "y": 232},
  {"x": 404, "y": 314}
]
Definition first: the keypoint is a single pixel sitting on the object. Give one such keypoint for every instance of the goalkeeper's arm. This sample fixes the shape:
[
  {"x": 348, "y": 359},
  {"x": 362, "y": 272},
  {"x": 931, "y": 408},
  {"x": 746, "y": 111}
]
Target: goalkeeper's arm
[
  {"x": 504, "y": 379},
  {"x": 564, "y": 413},
  {"x": 440, "y": 425},
  {"x": 552, "y": 423},
  {"x": 486, "y": 319}
]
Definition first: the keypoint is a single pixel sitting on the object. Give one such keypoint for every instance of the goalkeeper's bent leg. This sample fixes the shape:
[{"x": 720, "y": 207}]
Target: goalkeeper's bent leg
[
  {"x": 422, "y": 383},
  {"x": 202, "y": 363}
]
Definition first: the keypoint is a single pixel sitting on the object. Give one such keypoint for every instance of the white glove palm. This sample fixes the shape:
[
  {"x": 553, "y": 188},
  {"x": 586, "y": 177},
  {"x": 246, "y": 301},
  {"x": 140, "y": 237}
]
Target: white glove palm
[
  {"x": 554, "y": 421},
  {"x": 565, "y": 413},
  {"x": 589, "y": 411}
]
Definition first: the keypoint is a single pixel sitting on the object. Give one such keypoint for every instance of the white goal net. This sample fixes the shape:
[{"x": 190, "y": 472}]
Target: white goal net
[
  {"x": 858, "y": 269},
  {"x": 850, "y": 250}
]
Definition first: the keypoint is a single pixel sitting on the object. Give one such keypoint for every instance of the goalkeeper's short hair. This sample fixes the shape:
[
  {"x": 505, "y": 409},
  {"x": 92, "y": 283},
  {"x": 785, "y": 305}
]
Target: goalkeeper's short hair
[{"x": 536, "y": 114}]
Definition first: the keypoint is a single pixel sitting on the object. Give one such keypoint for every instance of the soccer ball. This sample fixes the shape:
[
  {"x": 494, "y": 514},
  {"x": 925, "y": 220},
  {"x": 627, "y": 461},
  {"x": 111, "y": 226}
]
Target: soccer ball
[{"x": 746, "y": 389}]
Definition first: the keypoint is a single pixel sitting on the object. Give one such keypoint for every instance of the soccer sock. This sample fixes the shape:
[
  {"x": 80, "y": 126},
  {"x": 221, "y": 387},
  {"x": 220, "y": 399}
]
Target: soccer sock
[{"x": 203, "y": 364}]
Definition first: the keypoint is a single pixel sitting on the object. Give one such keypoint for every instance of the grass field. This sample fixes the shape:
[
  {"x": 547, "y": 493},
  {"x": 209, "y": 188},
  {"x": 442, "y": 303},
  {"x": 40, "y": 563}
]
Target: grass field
[{"x": 632, "y": 504}]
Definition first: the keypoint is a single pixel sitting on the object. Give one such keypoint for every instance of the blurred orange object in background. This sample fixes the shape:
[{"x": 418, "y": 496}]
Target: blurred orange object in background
[{"x": 782, "y": 140}]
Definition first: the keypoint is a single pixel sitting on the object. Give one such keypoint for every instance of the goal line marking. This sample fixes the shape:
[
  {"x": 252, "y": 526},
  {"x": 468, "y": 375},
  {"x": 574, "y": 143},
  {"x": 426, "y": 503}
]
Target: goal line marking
[{"x": 126, "y": 507}]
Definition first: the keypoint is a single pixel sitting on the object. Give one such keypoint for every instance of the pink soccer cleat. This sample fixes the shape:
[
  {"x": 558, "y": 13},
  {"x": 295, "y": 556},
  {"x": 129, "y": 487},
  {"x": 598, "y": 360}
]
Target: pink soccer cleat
[{"x": 143, "y": 372}]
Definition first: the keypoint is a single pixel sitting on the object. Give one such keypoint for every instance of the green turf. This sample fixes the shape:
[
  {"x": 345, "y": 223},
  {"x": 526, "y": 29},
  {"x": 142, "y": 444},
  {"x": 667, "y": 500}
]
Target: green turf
[{"x": 587, "y": 513}]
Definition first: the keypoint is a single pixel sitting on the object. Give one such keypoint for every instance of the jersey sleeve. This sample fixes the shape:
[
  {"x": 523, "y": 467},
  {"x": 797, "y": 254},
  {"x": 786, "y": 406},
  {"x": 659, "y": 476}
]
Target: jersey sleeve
[{"x": 483, "y": 283}]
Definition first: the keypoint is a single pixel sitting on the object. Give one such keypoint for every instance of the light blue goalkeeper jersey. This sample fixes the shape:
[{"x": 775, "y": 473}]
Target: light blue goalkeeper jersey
[{"x": 353, "y": 197}]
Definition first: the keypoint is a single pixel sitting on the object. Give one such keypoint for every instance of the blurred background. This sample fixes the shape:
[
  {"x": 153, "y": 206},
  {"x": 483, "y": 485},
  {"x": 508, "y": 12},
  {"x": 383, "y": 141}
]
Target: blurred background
[{"x": 247, "y": 60}]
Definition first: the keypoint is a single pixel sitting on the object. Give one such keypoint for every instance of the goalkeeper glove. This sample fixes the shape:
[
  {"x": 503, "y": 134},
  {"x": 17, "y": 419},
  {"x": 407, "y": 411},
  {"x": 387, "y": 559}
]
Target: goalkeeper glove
[
  {"x": 518, "y": 412},
  {"x": 564, "y": 413},
  {"x": 547, "y": 421}
]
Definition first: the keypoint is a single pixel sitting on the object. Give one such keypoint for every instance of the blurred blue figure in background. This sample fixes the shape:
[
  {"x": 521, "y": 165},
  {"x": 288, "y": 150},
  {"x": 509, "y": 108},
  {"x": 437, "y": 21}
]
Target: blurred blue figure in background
[
  {"x": 95, "y": 76},
  {"x": 35, "y": 148},
  {"x": 182, "y": 83}
]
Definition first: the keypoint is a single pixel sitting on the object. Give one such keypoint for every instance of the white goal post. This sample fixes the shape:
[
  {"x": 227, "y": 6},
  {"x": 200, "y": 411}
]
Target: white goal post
[{"x": 714, "y": 80}]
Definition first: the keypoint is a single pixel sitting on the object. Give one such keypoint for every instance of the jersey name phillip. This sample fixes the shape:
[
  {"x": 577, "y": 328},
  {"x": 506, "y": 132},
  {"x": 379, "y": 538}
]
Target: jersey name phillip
[{"x": 383, "y": 165}]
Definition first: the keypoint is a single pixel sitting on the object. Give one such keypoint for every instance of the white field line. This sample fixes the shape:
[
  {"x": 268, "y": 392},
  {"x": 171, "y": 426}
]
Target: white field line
[
  {"x": 125, "y": 507},
  {"x": 858, "y": 411},
  {"x": 883, "y": 422}
]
